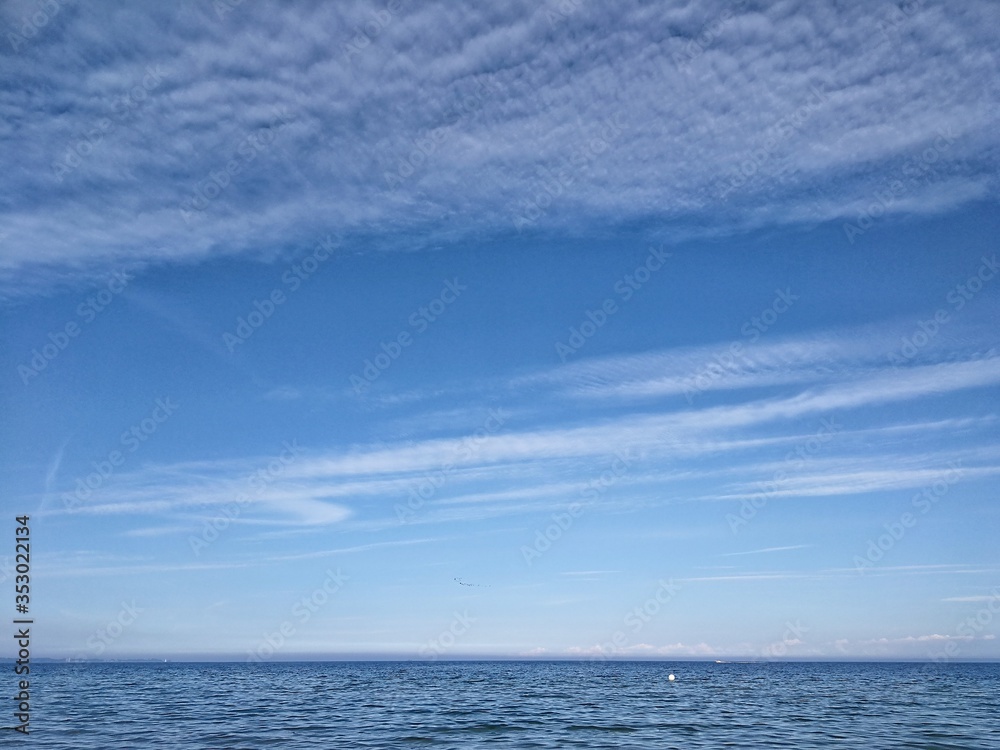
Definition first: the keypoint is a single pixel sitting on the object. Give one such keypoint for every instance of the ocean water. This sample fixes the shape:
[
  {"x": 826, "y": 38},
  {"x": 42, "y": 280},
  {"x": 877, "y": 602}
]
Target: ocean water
[{"x": 511, "y": 705}]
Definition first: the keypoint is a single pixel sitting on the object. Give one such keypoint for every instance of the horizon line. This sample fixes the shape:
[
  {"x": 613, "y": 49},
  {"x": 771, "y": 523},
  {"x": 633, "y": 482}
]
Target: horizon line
[{"x": 231, "y": 659}]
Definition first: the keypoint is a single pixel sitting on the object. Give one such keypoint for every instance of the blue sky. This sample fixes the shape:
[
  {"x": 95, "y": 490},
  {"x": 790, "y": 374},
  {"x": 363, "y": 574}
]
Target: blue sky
[{"x": 654, "y": 331}]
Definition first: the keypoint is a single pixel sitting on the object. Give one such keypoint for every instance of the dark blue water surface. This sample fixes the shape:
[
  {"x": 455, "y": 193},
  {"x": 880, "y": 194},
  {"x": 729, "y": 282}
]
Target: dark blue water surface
[{"x": 511, "y": 704}]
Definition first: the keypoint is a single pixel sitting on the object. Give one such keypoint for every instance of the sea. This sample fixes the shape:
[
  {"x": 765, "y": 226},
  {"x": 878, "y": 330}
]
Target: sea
[{"x": 505, "y": 704}]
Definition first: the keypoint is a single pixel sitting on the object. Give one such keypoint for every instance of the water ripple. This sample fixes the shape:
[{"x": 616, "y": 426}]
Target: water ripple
[{"x": 517, "y": 705}]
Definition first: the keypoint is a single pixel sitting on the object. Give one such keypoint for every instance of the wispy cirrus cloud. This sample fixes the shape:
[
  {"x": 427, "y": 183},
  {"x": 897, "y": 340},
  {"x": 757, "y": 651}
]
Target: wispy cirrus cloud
[
  {"x": 765, "y": 550},
  {"x": 422, "y": 131},
  {"x": 819, "y": 357},
  {"x": 521, "y": 471}
]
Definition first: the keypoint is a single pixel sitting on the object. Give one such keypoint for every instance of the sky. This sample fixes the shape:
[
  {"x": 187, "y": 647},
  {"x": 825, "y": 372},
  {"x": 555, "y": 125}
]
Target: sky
[{"x": 560, "y": 330}]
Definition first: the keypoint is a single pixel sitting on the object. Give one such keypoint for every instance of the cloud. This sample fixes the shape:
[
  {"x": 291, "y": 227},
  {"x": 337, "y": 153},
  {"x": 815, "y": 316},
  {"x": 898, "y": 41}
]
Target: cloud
[
  {"x": 823, "y": 356},
  {"x": 694, "y": 431},
  {"x": 642, "y": 650},
  {"x": 588, "y": 576},
  {"x": 767, "y": 549},
  {"x": 824, "y": 484},
  {"x": 52, "y": 473},
  {"x": 189, "y": 134},
  {"x": 750, "y": 577},
  {"x": 932, "y": 569},
  {"x": 90, "y": 564},
  {"x": 283, "y": 393},
  {"x": 153, "y": 531},
  {"x": 930, "y": 638},
  {"x": 662, "y": 455}
]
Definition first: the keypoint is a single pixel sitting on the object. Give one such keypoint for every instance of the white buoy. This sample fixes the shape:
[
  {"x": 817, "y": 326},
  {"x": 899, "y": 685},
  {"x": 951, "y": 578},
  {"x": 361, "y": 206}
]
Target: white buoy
[{"x": 671, "y": 677}]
